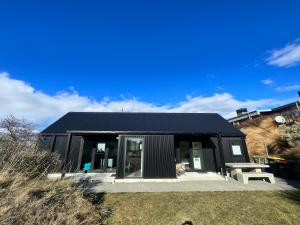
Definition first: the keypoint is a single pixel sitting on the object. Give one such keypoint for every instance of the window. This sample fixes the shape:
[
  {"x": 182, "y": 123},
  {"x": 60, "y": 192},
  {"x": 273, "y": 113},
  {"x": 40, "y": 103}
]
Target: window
[
  {"x": 236, "y": 147},
  {"x": 197, "y": 155}
]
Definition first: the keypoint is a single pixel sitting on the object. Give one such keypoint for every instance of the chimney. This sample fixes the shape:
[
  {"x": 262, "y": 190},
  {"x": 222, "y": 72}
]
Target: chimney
[{"x": 241, "y": 111}]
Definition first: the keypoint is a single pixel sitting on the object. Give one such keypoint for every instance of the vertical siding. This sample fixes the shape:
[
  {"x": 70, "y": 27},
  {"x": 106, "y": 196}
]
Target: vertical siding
[
  {"x": 208, "y": 160},
  {"x": 228, "y": 156},
  {"x": 74, "y": 153},
  {"x": 214, "y": 140},
  {"x": 159, "y": 156},
  {"x": 45, "y": 142},
  {"x": 120, "y": 157},
  {"x": 60, "y": 146}
]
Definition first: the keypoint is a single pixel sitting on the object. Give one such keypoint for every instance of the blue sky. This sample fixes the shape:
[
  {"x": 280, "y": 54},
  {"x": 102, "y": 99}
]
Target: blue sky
[{"x": 189, "y": 56}]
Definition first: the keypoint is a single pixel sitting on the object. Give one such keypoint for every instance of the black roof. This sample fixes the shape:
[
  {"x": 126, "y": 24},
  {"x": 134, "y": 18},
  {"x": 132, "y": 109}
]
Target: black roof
[
  {"x": 283, "y": 107},
  {"x": 124, "y": 122}
]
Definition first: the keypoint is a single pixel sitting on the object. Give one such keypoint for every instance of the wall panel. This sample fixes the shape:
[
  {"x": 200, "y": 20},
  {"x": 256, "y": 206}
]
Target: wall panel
[
  {"x": 73, "y": 153},
  {"x": 228, "y": 156},
  {"x": 159, "y": 156}
]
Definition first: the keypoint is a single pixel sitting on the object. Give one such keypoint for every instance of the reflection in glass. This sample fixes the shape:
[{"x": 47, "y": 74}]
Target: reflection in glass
[{"x": 133, "y": 158}]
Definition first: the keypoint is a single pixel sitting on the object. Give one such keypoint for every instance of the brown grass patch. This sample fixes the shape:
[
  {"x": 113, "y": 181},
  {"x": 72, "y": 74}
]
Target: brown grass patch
[{"x": 39, "y": 201}]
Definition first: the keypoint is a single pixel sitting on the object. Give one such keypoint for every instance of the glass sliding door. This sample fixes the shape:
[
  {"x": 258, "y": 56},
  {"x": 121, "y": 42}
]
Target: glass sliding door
[{"x": 134, "y": 157}]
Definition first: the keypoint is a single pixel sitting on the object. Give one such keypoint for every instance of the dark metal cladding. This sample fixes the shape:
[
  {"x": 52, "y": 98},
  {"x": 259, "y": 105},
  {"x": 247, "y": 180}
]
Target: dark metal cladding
[
  {"x": 227, "y": 149},
  {"x": 72, "y": 138},
  {"x": 120, "y": 159},
  {"x": 46, "y": 142},
  {"x": 74, "y": 153},
  {"x": 159, "y": 157},
  {"x": 60, "y": 146}
]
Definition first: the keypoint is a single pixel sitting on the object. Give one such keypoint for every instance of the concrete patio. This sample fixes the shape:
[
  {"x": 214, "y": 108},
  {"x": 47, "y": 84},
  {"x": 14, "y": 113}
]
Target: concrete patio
[
  {"x": 190, "y": 186},
  {"x": 106, "y": 182}
]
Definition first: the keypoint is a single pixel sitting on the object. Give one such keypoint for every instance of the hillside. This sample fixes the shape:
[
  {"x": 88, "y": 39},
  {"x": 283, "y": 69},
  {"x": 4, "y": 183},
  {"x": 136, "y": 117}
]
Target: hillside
[{"x": 264, "y": 132}]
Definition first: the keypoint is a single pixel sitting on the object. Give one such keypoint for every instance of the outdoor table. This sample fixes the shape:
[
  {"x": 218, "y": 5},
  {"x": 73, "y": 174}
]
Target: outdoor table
[{"x": 239, "y": 167}]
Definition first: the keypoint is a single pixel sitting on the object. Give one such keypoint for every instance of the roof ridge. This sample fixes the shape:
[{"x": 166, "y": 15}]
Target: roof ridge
[{"x": 145, "y": 112}]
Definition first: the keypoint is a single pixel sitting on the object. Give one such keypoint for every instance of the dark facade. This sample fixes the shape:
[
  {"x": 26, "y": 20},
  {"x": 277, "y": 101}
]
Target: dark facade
[{"x": 147, "y": 145}]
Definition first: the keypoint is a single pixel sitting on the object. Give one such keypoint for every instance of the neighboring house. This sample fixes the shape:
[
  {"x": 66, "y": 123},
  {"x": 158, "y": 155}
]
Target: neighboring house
[
  {"x": 289, "y": 111},
  {"x": 147, "y": 145},
  {"x": 263, "y": 127}
]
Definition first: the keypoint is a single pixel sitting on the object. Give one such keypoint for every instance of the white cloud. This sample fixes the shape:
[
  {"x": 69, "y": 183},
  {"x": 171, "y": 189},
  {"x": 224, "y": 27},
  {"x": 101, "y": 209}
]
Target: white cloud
[
  {"x": 294, "y": 87},
  {"x": 24, "y": 101},
  {"x": 267, "y": 82},
  {"x": 286, "y": 56}
]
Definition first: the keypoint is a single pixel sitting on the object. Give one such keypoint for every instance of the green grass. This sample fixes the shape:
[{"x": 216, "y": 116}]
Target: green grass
[{"x": 204, "y": 208}]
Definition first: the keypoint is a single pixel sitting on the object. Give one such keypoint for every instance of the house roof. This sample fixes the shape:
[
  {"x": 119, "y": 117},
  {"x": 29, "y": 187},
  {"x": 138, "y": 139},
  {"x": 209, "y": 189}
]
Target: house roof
[
  {"x": 124, "y": 122},
  {"x": 248, "y": 115},
  {"x": 284, "y": 107}
]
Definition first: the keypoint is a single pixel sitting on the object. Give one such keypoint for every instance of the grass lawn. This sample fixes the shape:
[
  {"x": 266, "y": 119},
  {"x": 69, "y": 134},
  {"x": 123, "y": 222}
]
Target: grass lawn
[{"x": 204, "y": 208}]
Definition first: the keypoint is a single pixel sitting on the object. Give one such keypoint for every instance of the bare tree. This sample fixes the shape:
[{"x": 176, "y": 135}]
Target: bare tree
[
  {"x": 15, "y": 129},
  {"x": 20, "y": 151}
]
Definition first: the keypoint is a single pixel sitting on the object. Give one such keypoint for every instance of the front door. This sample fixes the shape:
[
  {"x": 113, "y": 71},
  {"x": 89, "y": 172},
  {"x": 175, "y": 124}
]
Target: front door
[{"x": 134, "y": 148}]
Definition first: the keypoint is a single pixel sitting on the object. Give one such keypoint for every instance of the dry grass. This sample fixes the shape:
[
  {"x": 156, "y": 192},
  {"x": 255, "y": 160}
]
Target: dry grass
[
  {"x": 260, "y": 132},
  {"x": 278, "y": 139},
  {"x": 26, "y": 197},
  {"x": 204, "y": 208},
  {"x": 39, "y": 201}
]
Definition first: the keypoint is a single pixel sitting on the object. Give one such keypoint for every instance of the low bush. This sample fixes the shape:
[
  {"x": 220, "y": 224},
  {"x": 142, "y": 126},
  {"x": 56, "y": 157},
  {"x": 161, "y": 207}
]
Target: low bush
[
  {"x": 26, "y": 196},
  {"x": 26, "y": 201}
]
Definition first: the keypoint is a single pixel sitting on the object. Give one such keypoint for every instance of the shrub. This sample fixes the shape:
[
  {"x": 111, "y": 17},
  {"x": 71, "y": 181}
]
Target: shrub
[
  {"x": 25, "y": 197},
  {"x": 39, "y": 201},
  {"x": 20, "y": 153}
]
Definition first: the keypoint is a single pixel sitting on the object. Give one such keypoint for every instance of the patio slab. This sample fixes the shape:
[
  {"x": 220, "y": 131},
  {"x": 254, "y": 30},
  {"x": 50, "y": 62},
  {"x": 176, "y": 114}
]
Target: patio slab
[
  {"x": 106, "y": 182},
  {"x": 191, "y": 186}
]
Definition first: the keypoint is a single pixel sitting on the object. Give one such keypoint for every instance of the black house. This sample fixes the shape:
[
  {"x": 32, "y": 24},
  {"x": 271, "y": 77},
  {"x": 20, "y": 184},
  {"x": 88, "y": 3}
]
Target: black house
[{"x": 147, "y": 145}]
